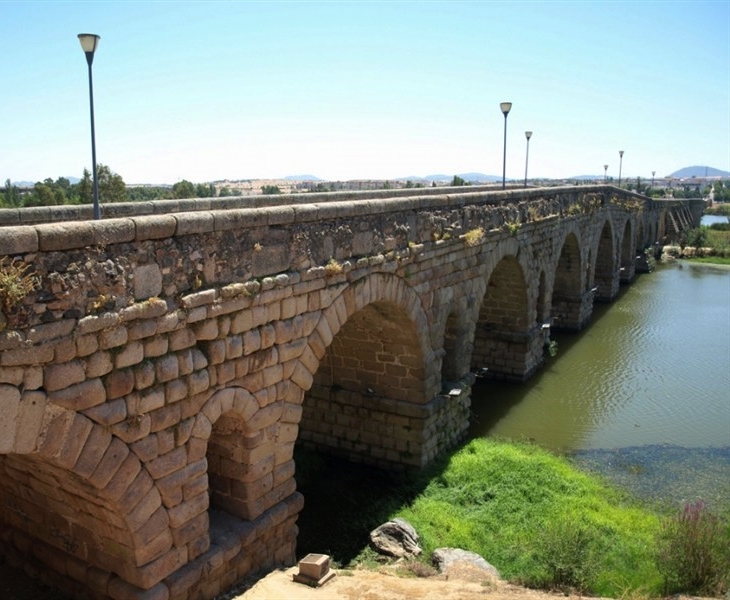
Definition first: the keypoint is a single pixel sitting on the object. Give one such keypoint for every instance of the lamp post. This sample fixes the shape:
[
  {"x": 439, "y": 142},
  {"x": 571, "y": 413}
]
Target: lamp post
[
  {"x": 528, "y": 135},
  {"x": 505, "y": 107},
  {"x": 620, "y": 163},
  {"x": 605, "y": 173},
  {"x": 652, "y": 179},
  {"x": 89, "y": 42}
]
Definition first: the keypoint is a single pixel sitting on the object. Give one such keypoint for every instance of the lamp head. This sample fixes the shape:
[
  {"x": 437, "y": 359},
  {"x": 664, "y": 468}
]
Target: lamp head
[
  {"x": 505, "y": 107},
  {"x": 528, "y": 134},
  {"x": 89, "y": 42},
  {"x": 621, "y": 153}
]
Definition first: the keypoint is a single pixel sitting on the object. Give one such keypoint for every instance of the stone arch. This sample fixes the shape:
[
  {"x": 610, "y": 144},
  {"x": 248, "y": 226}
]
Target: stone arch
[
  {"x": 641, "y": 238},
  {"x": 457, "y": 344},
  {"x": 627, "y": 245},
  {"x": 542, "y": 314},
  {"x": 567, "y": 291},
  {"x": 374, "y": 377},
  {"x": 81, "y": 494},
  {"x": 504, "y": 323},
  {"x": 605, "y": 273},
  {"x": 243, "y": 455}
]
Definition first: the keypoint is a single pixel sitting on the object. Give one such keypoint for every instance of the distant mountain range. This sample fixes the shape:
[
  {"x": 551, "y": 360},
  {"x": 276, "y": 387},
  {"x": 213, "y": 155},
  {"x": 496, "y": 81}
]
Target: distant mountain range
[{"x": 685, "y": 173}]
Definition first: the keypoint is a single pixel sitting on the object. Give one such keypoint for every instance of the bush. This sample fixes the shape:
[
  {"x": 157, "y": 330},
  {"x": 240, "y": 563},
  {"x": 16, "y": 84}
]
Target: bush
[{"x": 693, "y": 552}]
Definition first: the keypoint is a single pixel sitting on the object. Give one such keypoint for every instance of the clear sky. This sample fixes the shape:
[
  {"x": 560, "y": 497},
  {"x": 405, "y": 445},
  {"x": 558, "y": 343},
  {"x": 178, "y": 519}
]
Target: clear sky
[{"x": 211, "y": 90}]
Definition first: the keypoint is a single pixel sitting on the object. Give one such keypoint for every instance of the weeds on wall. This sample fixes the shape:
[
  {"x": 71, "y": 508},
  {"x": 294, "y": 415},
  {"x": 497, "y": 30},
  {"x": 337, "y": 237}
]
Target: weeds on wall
[
  {"x": 15, "y": 285},
  {"x": 473, "y": 237},
  {"x": 333, "y": 267}
]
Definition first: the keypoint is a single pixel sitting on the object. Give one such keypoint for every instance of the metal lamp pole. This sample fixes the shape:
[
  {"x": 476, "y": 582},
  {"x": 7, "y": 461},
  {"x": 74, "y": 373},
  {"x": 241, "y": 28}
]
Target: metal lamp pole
[
  {"x": 89, "y": 43},
  {"x": 528, "y": 135},
  {"x": 505, "y": 107},
  {"x": 620, "y": 163},
  {"x": 605, "y": 173}
]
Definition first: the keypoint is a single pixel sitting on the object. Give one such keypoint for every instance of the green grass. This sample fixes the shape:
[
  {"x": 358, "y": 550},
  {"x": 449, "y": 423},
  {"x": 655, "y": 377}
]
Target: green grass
[
  {"x": 535, "y": 516},
  {"x": 539, "y": 520}
]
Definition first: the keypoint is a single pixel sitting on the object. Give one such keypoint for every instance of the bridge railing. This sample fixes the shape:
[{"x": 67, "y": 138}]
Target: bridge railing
[
  {"x": 58, "y": 228},
  {"x": 448, "y": 195}
]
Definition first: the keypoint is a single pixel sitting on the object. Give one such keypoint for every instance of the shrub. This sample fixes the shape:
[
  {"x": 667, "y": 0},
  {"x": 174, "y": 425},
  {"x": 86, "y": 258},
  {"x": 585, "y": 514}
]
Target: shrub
[
  {"x": 566, "y": 551},
  {"x": 693, "y": 553}
]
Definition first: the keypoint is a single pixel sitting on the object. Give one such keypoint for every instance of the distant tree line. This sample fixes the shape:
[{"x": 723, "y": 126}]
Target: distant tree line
[{"x": 111, "y": 189}]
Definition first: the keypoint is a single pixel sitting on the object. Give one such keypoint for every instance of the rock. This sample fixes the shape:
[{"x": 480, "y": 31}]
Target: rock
[
  {"x": 396, "y": 538},
  {"x": 445, "y": 559}
]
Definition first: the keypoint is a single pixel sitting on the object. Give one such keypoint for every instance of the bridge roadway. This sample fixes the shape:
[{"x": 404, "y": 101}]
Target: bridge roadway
[{"x": 156, "y": 378}]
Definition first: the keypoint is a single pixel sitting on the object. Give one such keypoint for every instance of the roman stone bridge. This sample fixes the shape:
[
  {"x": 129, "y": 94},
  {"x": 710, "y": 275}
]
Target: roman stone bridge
[{"x": 157, "y": 367}]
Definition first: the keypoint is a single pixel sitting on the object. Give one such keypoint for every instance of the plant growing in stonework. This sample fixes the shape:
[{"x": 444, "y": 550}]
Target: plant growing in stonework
[
  {"x": 473, "y": 237},
  {"x": 333, "y": 267},
  {"x": 15, "y": 283}
]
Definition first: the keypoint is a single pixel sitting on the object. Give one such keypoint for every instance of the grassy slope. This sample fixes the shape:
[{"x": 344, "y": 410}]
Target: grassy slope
[{"x": 538, "y": 520}]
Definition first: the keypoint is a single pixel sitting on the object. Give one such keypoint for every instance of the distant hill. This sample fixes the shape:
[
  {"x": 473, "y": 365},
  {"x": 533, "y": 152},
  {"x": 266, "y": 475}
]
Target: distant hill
[
  {"x": 302, "y": 178},
  {"x": 699, "y": 171},
  {"x": 470, "y": 177}
]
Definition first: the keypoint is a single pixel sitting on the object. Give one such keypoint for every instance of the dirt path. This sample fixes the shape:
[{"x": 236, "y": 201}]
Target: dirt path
[{"x": 463, "y": 583}]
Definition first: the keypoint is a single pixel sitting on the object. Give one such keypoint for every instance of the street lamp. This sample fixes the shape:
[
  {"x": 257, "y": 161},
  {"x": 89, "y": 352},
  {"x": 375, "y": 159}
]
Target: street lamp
[
  {"x": 89, "y": 42},
  {"x": 652, "y": 179},
  {"x": 620, "y": 163},
  {"x": 505, "y": 107},
  {"x": 528, "y": 135},
  {"x": 605, "y": 173}
]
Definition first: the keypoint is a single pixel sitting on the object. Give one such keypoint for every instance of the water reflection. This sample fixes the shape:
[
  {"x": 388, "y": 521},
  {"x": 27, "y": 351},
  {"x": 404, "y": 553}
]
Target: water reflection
[{"x": 651, "y": 368}]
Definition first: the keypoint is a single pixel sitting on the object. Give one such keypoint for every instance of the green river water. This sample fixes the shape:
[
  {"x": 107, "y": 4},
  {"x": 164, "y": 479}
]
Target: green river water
[{"x": 642, "y": 394}]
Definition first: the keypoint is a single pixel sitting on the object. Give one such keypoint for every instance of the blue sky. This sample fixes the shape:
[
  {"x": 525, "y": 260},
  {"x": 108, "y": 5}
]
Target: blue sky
[{"x": 212, "y": 90}]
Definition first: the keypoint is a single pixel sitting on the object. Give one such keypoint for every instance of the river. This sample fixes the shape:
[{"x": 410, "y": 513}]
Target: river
[{"x": 644, "y": 389}]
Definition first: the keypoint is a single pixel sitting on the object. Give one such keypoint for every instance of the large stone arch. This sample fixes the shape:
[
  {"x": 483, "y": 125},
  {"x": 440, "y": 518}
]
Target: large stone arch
[
  {"x": 605, "y": 272},
  {"x": 627, "y": 264},
  {"x": 506, "y": 344},
  {"x": 79, "y": 496},
  {"x": 375, "y": 380},
  {"x": 571, "y": 297}
]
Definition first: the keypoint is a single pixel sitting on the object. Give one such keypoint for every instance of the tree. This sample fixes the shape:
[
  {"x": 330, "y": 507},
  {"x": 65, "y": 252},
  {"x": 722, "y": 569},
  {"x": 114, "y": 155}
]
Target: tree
[
  {"x": 183, "y": 189},
  {"x": 270, "y": 189},
  {"x": 12, "y": 195},
  {"x": 85, "y": 188},
  {"x": 205, "y": 190},
  {"x": 111, "y": 185},
  {"x": 458, "y": 181}
]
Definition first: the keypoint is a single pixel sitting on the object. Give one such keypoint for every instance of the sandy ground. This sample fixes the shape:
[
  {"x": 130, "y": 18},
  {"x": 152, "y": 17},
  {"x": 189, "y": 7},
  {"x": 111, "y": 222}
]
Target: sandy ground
[{"x": 461, "y": 583}]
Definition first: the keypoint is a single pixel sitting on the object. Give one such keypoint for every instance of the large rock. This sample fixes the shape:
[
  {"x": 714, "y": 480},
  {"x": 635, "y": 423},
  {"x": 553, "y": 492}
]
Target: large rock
[
  {"x": 448, "y": 559},
  {"x": 396, "y": 538}
]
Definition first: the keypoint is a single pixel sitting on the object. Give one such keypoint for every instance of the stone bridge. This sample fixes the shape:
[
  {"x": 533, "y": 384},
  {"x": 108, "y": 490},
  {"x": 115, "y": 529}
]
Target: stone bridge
[{"x": 158, "y": 366}]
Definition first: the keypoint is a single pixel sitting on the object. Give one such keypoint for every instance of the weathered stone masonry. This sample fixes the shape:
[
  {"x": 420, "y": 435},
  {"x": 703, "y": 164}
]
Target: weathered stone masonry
[{"x": 152, "y": 388}]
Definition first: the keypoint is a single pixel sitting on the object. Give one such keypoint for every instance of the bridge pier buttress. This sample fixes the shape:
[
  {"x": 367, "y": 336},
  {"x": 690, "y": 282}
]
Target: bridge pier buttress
[
  {"x": 509, "y": 355},
  {"x": 572, "y": 313},
  {"x": 391, "y": 434}
]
